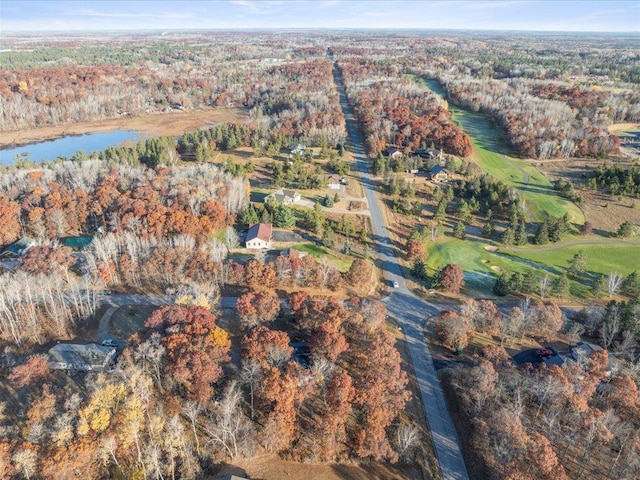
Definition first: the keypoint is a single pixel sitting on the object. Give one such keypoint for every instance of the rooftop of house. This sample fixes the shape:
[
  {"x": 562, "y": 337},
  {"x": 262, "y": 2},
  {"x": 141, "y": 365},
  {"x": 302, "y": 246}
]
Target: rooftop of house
[
  {"x": 77, "y": 243},
  {"x": 262, "y": 231},
  {"x": 284, "y": 193},
  {"x": 75, "y": 354},
  {"x": 437, "y": 169},
  {"x": 19, "y": 247}
]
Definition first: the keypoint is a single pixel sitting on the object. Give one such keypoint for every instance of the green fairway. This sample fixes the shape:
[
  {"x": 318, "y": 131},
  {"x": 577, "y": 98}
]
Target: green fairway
[
  {"x": 491, "y": 152},
  {"x": 601, "y": 258},
  {"x": 481, "y": 266}
]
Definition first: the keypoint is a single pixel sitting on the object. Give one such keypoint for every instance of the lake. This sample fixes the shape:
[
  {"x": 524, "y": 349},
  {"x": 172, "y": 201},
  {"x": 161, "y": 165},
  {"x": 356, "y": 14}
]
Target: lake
[{"x": 67, "y": 146}]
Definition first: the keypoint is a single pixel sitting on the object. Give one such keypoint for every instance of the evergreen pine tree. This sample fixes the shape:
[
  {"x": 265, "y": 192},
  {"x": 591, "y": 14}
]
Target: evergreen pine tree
[
  {"x": 458, "y": 231},
  {"x": 560, "y": 285},
  {"x": 502, "y": 287},
  {"x": 529, "y": 282},
  {"x": 249, "y": 216},
  {"x": 508, "y": 236},
  {"x": 599, "y": 287},
  {"x": 487, "y": 229},
  {"x": 328, "y": 237},
  {"x": 516, "y": 282},
  {"x": 542, "y": 234},
  {"x": 630, "y": 285},
  {"x": 283, "y": 217},
  {"x": 578, "y": 263},
  {"x": 520, "y": 235}
]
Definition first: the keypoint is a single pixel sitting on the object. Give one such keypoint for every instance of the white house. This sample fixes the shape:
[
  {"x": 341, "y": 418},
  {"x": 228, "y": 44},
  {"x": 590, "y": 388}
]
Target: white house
[
  {"x": 259, "y": 236},
  {"x": 284, "y": 196}
]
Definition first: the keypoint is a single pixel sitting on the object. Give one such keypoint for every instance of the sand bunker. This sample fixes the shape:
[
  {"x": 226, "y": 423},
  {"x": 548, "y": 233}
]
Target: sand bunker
[
  {"x": 497, "y": 269},
  {"x": 491, "y": 248}
]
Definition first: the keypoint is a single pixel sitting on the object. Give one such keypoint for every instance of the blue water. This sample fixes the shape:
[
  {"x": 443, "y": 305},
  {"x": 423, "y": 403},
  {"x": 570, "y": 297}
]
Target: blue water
[{"x": 67, "y": 146}]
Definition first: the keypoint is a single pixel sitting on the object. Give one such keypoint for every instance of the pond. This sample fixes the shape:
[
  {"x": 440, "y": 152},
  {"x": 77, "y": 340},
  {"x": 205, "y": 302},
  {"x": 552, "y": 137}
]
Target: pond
[{"x": 66, "y": 146}]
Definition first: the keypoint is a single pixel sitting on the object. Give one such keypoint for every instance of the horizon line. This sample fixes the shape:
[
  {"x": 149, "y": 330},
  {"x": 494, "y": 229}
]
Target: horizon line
[{"x": 311, "y": 29}]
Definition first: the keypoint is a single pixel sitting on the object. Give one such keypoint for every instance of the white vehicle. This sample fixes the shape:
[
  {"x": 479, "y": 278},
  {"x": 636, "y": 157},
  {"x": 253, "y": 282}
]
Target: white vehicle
[
  {"x": 109, "y": 342},
  {"x": 396, "y": 284}
]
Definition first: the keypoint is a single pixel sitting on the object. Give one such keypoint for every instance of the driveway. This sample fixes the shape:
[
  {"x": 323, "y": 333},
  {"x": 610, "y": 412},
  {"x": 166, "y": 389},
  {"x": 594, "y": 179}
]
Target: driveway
[{"x": 411, "y": 313}]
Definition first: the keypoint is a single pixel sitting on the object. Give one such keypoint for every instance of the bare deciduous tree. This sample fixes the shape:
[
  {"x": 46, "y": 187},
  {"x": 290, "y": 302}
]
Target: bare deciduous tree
[
  {"x": 614, "y": 281},
  {"x": 407, "y": 437}
]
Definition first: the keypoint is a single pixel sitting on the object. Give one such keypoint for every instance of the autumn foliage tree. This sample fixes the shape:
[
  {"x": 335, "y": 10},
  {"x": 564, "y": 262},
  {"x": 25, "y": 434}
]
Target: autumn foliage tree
[
  {"x": 451, "y": 278},
  {"x": 194, "y": 356},
  {"x": 256, "y": 308},
  {"x": 454, "y": 330},
  {"x": 34, "y": 371}
]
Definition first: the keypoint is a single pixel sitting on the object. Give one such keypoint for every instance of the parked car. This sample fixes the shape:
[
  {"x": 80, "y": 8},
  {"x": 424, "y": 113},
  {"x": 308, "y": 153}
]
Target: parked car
[
  {"x": 109, "y": 342},
  {"x": 545, "y": 352},
  {"x": 396, "y": 284}
]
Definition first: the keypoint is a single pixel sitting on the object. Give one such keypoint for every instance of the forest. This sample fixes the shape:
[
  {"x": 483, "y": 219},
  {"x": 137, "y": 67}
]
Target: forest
[
  {"x": 178, "y": 404},
  {"x": 394, "y": 111}
]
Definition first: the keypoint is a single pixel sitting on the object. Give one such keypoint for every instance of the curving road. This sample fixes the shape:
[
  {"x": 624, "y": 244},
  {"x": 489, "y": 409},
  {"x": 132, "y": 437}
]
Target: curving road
[{"x": 411, "y": 313}]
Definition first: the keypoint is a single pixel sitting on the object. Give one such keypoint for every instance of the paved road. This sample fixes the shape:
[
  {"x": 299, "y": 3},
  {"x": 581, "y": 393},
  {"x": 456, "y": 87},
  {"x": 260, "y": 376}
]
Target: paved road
[{"x": 411, "y": 312}]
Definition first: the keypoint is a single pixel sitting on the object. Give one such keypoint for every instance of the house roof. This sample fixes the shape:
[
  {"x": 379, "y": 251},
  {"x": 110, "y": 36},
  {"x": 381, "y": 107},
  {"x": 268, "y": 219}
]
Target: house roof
[
  {"x": 73, "y": 354},
  {"x": 19, "y": 247},
  {"x": 293, "y": 253},
  {"x": 77, "y": 243},
  {"x": 437, "y": 169},
  {"x": 284, "y": 194},
  {"x": 259, "y": 230},
  {"x": 426, "y": 152},
  {"x": 391, "y": 150},
  {"x": 585, "y": 349}
]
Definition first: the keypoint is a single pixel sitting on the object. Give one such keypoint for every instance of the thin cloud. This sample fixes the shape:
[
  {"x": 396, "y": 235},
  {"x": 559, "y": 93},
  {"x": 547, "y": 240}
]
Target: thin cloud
[
  {"x": 95, "y": 13},
  {"x": 495, "y": 5}
]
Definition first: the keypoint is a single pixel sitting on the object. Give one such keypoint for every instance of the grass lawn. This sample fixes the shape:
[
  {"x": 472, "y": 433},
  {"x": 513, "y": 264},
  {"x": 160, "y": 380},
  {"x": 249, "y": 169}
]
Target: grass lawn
[
  {"x": 491, "y": 151},
  {"x": 602, "y": 259},
  {"x": 258, "y": 194},
  {"x": 338, "y": 260},
  {"x": 129, "y": 319},
  {"x": 481, "y": 266}
]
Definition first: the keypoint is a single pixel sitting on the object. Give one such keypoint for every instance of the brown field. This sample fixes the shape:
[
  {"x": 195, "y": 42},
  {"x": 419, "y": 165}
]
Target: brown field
[
  {"x": 623, "y": 127},
  {"x": 170, "y": 123},
  {"x": 605, "y": 212},
  {"x": 270, "y": 467}
]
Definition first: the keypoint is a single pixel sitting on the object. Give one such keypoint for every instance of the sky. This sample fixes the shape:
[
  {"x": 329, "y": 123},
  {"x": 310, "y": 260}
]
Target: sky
[{"x": 535, "y": 15}]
